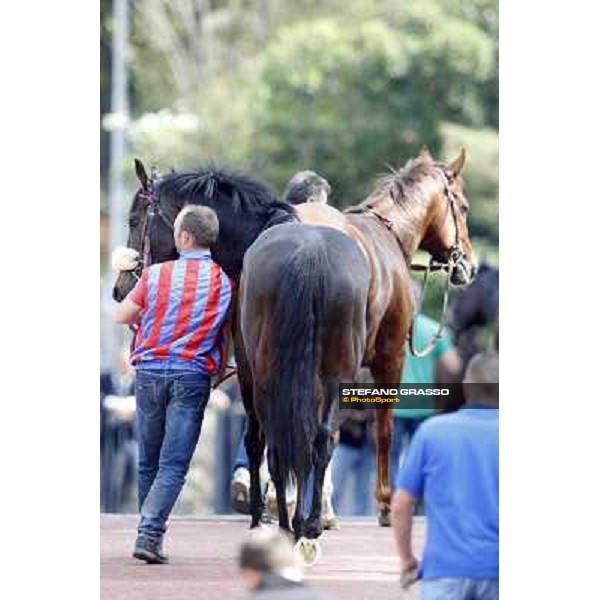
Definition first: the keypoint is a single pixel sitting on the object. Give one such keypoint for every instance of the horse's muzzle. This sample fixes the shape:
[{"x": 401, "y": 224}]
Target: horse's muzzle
[
  {"x": 124, "y": 284},
  {"x": 463, "y": 273},
  {"x": 117, "y": 295}
]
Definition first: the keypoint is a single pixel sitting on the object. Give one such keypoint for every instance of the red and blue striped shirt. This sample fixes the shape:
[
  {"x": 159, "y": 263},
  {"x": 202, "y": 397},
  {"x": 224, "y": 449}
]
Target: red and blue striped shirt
[{"x": 185, "y": 304}]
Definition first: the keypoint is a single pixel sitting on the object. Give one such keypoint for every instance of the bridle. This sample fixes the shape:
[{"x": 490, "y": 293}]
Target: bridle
[
  {"x": 456, "y": 255},
  {"x": 149, "y": 195}
]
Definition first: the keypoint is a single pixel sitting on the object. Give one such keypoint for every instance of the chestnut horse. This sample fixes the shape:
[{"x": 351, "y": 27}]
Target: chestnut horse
[{"x": 422, "y": 206}]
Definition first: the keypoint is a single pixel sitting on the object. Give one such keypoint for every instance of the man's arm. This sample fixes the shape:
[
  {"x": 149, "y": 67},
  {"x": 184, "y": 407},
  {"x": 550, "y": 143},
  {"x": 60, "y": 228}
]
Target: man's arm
[
  {"x": 403, "y": 505},
  {"x": 410, "y": 484},
  {"x": 448, "y": 367},
  {"x": 127, "y": 312},
  {"x": 227, "y": 342}
]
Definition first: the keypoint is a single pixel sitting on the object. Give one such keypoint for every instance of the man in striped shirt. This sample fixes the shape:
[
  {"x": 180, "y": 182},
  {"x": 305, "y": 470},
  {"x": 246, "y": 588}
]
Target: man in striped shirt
[{"x": 181, "y": 308}]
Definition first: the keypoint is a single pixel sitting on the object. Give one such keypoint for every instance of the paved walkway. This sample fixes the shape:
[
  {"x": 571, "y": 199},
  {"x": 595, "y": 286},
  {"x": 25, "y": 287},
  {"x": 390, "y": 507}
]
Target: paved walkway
[{"x": 359, "y": 561}]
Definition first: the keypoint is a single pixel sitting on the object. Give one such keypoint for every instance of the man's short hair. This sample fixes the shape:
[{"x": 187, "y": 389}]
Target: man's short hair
[
  {"x": 200, "y": 222},
  {"x": 482, "y": 378},
  {"x": 266, "y": 550},
  {"x": 306, "y": 186}
]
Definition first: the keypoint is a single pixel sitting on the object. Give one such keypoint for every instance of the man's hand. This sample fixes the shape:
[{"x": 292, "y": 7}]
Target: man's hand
[{"x": 127, "y": 313}]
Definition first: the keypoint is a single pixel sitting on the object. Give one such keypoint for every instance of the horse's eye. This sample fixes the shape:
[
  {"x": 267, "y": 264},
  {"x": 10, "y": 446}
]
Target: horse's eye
[
  {"x": 464, "y": 209},
  {"x": 134, "y": 222}
]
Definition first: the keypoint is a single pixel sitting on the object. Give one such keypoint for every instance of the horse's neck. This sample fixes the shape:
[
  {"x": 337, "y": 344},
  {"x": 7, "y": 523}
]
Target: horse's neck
[
  {"x": 241, "y": 236},
  {"x": 404, "y": 224}
]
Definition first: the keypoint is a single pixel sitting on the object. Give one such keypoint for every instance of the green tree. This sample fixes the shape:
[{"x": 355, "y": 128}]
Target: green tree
[
  {"x": 453, "y": 57},
  {"x": 340, "y": 100}
]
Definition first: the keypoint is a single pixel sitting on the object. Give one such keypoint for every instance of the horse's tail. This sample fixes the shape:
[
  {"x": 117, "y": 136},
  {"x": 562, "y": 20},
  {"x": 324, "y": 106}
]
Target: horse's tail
[{"x": 292, "y": 417}]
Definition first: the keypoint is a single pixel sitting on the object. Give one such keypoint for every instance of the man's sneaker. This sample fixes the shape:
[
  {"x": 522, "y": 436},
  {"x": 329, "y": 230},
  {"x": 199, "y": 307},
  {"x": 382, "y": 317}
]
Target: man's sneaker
[
  {"x": 149, "y": 550},
  {"x": 240, "y": 491}
]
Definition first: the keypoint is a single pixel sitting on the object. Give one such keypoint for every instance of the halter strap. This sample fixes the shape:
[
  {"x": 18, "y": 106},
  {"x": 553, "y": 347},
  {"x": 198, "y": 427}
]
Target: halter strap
[{"x": 153, "y": 208}]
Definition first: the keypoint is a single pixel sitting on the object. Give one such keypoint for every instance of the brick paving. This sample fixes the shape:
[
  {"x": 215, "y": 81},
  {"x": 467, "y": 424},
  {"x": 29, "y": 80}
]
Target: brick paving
[{"x": 359, "y": 561}]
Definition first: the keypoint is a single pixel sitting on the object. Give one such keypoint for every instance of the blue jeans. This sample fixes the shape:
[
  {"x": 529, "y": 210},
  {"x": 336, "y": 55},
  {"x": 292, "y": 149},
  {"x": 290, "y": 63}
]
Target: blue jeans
[
  {"x": 459, "y": 588},
  {"x": 353, "y": 467},
  {"x": 402, "y": 428},
  {"x": 170, "y": 410}
]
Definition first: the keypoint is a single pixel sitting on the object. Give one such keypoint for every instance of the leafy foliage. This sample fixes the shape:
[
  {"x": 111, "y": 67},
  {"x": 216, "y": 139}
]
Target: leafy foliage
[
  {"x": 343, "y": 87},
  {"x": 346, "y": 111}
]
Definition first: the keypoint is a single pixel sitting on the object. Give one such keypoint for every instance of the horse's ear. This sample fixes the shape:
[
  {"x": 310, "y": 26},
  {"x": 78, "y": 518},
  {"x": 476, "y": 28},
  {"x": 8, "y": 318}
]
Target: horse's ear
[
  {"x": 456, "y": 166},
  {"x": 140, "y": 171},
  {"x": 424, "y": 153}
]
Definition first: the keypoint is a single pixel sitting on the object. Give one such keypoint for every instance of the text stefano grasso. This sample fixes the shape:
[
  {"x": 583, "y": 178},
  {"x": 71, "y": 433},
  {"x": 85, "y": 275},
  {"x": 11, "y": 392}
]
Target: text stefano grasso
[{"x": 422, "y": 391}]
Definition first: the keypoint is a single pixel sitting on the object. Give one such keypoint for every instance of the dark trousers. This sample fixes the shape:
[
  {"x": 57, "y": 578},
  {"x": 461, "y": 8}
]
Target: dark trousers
[{"x": 170, "y": 410}]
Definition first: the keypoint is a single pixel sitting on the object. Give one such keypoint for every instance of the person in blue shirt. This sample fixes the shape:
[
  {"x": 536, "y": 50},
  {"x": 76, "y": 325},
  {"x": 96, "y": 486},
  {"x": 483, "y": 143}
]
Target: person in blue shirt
[{"x": 452, "y": 462}]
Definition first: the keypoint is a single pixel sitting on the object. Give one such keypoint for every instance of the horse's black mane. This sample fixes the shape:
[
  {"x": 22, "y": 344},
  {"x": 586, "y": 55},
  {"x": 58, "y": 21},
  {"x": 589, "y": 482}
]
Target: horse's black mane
[
  {"x": 245, "y": 207},
  {"x": 246, "y": 193}
]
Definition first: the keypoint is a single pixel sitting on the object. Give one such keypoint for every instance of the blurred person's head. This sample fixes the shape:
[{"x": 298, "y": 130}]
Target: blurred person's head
[
  {"x": 195, "y": 227},
  {"x": 267, "y": 551},
  {"x": 307, "y": 186},
  {"x": 481, "y": 377}
]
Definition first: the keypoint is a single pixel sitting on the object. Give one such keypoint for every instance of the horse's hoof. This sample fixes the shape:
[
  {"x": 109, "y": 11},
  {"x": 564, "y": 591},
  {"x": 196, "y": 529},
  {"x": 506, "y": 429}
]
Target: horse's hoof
[
  {"x": 384, "y": 519},
  {"x": 309, "y": 550}
]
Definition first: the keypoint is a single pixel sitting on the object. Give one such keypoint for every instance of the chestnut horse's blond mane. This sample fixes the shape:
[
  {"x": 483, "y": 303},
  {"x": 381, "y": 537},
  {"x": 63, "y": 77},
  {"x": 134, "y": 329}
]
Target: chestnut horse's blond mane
[{"x": 416, "y": 182}]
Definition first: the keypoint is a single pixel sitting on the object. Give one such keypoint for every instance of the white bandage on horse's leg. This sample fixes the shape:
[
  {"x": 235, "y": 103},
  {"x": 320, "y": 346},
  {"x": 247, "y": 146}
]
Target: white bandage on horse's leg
[
  {"x": 329, "y": 519},
  {"x": 264, "y": 475},
  {"x": 125, "y": 259},
  {"x": 328, "y": 482}
]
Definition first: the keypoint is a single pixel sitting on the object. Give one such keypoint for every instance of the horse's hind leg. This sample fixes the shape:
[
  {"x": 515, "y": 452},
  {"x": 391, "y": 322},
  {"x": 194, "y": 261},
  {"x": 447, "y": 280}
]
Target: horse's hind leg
[
  {"x": 254, "y": 439},
  {"x": 323, "y": 449},
  {"x": 298, "y": 521},
  {"x": 279, "y": 481},
  {"x": 255, "y": 448}
]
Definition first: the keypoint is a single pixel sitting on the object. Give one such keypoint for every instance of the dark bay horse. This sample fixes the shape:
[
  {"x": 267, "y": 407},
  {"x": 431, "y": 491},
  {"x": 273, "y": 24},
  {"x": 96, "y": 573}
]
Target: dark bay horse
[
  {"x": 422, "y": 206},
  {"x": 303, "y": 324}
]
